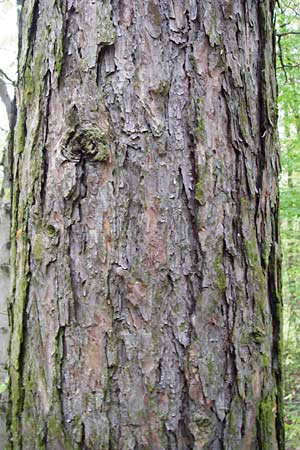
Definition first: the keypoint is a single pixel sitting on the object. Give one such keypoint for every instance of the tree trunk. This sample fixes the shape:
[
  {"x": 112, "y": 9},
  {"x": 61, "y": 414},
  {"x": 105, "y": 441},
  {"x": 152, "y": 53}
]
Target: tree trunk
[
  {"x": 5, "y": 227},
  {"x": 4, "y": 294},
  {"x": 145, "y": 310}
]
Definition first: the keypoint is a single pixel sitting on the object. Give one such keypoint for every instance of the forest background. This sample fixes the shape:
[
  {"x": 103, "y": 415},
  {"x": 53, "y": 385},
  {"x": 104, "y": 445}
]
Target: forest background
[{"x": 288, "y": 76}]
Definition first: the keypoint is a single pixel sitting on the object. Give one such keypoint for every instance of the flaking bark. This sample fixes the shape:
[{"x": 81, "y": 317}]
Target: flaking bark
[{"x": 145, "y": 305}]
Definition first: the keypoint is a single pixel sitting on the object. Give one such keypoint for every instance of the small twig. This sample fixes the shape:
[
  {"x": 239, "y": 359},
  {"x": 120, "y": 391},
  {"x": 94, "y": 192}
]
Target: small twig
[
  {"x": 289, "y": 66},
  {"x": 281, "y": 58},
  {"x": 4, "y": 75},
  {"x": 4, "y": 95},
  {"x": 287, "y": 33}
]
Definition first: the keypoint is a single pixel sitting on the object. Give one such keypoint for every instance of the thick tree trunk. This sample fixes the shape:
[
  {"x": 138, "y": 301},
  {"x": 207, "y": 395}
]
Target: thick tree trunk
[{"x": 145, "y": 308}]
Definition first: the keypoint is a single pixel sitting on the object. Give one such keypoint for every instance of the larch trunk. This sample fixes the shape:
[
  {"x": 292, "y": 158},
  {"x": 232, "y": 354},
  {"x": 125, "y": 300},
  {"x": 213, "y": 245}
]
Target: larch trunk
[{"x": 145, "y": 305}]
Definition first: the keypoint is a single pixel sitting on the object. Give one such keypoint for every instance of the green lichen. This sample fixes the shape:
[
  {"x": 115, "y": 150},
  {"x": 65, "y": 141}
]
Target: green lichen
[{"x": 107, "y": 30}]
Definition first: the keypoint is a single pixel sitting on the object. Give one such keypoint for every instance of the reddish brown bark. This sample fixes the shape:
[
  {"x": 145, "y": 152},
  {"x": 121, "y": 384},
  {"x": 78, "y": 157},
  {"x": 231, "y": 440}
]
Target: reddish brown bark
[{"x": 145, "y": 309}]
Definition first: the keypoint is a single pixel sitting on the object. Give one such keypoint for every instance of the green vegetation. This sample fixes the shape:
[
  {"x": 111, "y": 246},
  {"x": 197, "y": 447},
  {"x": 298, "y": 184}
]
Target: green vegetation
[
  {"x": 288, "y": 76},
  {"x": 3, "y": 386}
]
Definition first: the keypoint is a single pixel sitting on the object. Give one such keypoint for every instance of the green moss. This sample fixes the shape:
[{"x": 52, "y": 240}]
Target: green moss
[
  {"x": 220, "y": 274},
  {"x": 38, "y": 63},
  {"x": 265, "y": 360},
  {"x": 199, "y": 130},
  {"x": 201, "y": 427},
  {"x": 20, "y": 133},
  {"x": 266, "y": 423},
  {"x": 59, "y": 54},
  {"x": 199, "y": 186},
  {"x": 199, "y": 194},
  {"x": 37, "y": 250},
  {"x": 28, "y": 84},
  {"x": 102, "y": 154},
  {"x": 259, "y": 277},
  {"x": 210, "y": 367},
  {"x": 149, "y": 386},
  {"x": 182, "y": 327},
  {"x": 231, "y": 423},
  {"x": 107, "y": 30},
  {"x": 258, "y": 334},
  {"x": 88, "y": 141},
  {"x": 16, "y": 389},
  {"x": 159, "y": 296},
  {"x": 57, "y": 435},
  {"x": 250, "y": 245},
  {"x": 232, "y": 417},
  {"x": 176, "y": 309},
  {"x": 31, "y": 89},
  {"x": 32, "y": 79},
  {"x": 51, "y": 230},
  {"x": 153, "y": 13},
  {"x": 6, "y": 195},
  {"x": 163, "y": 89}
]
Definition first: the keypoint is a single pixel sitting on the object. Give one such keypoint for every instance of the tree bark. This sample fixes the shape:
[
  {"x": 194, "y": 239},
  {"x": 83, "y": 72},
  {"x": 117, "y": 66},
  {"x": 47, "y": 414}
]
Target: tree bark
[
  {"x": 4, "y": 295},
  {"x": 5, "y": 228},
  {"x": 145, "y": 306}
]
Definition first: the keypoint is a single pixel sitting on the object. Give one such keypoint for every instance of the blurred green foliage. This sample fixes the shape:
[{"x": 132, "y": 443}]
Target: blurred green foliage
[{"x": 288, "y": 76}]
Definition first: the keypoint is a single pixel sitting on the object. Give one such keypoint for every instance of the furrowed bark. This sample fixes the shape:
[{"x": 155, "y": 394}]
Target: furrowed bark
[{"x": 145, "y": 305}]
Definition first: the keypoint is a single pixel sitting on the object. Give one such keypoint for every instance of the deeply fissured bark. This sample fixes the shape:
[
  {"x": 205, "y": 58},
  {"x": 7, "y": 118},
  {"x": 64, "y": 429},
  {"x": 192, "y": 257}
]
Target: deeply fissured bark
[{"x": 145, "y": 308}]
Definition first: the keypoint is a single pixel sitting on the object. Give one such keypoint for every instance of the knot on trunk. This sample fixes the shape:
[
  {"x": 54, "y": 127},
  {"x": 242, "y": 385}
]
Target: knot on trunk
[{"x": 85, "y": 142}]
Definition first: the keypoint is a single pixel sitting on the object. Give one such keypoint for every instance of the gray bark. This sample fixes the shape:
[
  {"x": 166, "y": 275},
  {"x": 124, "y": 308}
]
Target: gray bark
[
  {"x": 5, "y": 226},
  {"x": 145, "y": 306},
  {"x": 4, "y": 293},
  {"x": 5, "y": 97}
]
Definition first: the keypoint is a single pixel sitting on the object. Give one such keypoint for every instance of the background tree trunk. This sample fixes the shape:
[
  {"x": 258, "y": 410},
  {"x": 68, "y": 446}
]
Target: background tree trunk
[
  {"x": 4, "y": 295},
  {"x": 145, "y": 308},
  {"x": 5, "y": 228}
]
